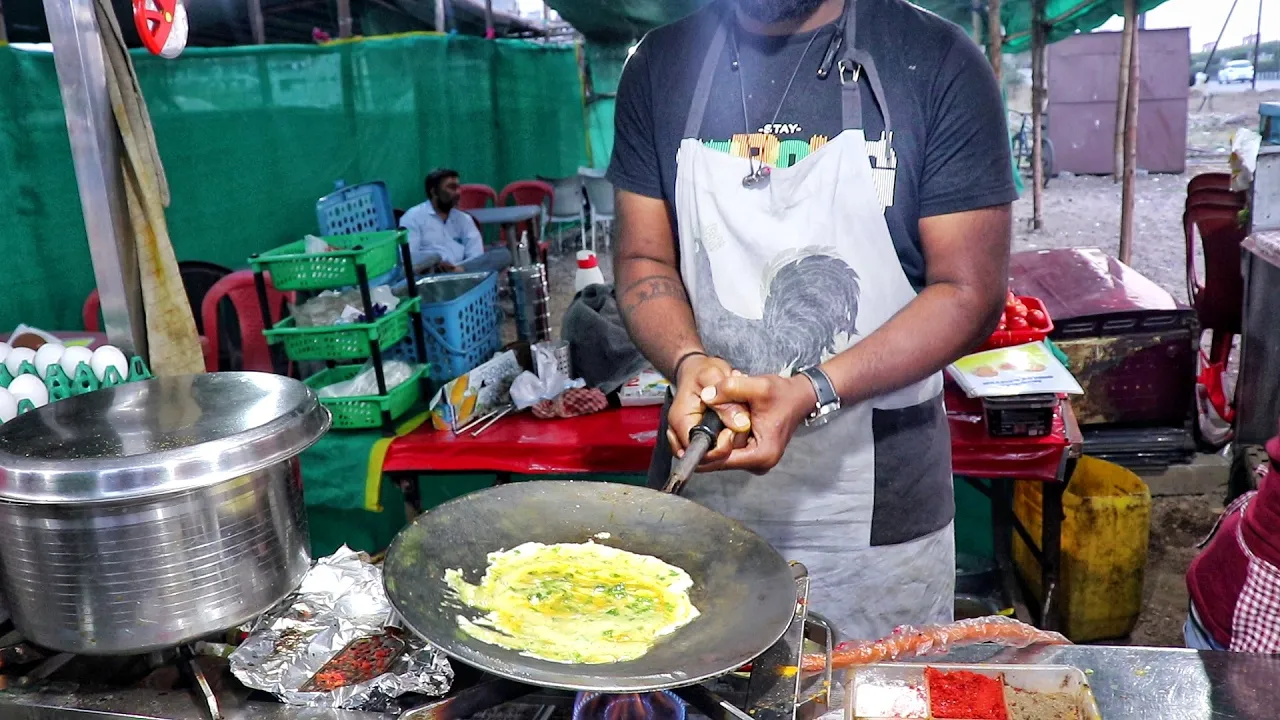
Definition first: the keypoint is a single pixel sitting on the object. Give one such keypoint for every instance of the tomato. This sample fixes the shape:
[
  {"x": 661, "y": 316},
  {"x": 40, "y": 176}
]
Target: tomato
[
  {"x": 1018, "y": 323},
  {"x": 1038, "y": 319},
  {"x": 1002, "y": 326},
  {"x": 1020, "y": 310}
]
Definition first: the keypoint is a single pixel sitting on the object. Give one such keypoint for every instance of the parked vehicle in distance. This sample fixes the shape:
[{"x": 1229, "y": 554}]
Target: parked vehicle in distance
[{"x": 1236, "y": 71}]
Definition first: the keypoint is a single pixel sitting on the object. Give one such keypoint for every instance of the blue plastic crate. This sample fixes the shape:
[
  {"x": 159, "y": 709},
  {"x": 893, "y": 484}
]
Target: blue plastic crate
[
  {"x": 461, "y": 321},
  {"x": 1270, "y": 113},
  {"x": 356, "y": 209}
]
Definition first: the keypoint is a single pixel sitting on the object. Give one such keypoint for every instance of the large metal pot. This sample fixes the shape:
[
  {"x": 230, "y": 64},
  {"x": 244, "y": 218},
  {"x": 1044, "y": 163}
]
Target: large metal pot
[{"x": 151, "y": 514}]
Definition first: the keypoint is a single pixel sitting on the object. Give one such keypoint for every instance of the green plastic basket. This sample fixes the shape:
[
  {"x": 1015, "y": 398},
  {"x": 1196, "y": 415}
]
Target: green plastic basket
[
  {"x": 292, "y": 268},
  {"x": 359, "y": 413},
  {"x": 343, "y": 342}
]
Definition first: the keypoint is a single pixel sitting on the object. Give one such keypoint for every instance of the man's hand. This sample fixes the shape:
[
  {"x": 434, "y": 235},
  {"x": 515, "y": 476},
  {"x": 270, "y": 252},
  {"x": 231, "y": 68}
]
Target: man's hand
[
  {"x": 698, "y": 374},
  {"x": 776, "y": 406},
  {"x": 450, "y": 268}
]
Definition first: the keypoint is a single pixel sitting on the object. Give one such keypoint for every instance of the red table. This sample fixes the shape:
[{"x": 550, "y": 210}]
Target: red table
[{"x": 620, "y": 441}]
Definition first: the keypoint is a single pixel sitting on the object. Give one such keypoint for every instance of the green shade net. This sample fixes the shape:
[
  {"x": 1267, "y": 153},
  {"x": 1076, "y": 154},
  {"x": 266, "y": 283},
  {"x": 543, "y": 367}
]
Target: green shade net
[{"x": 252, "y": 137}]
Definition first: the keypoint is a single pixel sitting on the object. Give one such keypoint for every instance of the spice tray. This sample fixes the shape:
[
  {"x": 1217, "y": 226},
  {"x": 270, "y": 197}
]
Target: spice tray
[{"x": 901, "y": 691}]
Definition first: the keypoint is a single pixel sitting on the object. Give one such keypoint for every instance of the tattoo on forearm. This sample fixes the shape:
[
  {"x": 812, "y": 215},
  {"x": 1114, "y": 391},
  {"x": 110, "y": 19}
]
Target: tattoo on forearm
[{"x": 648, "y": 289}]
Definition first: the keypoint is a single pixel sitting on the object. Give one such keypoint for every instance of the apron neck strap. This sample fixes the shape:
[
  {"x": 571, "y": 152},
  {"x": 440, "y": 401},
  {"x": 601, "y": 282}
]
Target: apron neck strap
[{"x": 855, "y": 64}]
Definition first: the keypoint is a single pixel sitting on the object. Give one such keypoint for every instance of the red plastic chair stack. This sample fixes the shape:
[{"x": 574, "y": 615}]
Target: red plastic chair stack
[
  {"x": 238, "y": 288},
  {"x": 476, "y": 196},
  {"x": 1213, "y": 214},
  {"x": 530, "y": 192}
]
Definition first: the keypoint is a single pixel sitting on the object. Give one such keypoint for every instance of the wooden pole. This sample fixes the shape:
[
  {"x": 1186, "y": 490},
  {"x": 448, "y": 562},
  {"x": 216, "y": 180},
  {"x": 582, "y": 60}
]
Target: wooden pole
[
  {"x": 257, "y": 25},
  {"x": 488, "y": 20},
  {"x": 4, "y": 34},
  {"x": 1129, "y": 186},
  {"x": 344, "y": 18},
  {"x": 995, "y": 38},
  {"x": 1257, "y": 43},
  {"x": 1122, "y": 95},
  {"x": 1037, "y": 112}
]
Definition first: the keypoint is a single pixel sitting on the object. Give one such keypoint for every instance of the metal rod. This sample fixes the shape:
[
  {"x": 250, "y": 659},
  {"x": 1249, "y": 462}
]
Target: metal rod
[
  {"x": 257, "y": 25},
  {"x": 477, "y": 420},
  {"x": 995, "y": 39},
  {"x": 344, "y": 18},
  {"x": 1037, "y": 112},
  {"x": 95, "y": 153},
  {"x": 1257, "y": 43},
  {"x": 439, "y": 17}
]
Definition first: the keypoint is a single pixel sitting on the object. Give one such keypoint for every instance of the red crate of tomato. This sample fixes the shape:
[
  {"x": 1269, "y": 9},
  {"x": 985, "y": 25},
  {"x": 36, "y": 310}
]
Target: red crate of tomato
[{"x": 1024, "y": 320}]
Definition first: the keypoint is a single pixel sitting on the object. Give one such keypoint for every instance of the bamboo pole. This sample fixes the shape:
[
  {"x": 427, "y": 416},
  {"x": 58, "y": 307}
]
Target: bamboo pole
[
  {"x": 1037, "y": 113},
  {"x": 1129, "y": 184},
  {"x": 1122, "y": 94},
  {"x": 995, "y": 39},
  {"x": 4, "y": 34},
  {"x": 257, "y": 24}
]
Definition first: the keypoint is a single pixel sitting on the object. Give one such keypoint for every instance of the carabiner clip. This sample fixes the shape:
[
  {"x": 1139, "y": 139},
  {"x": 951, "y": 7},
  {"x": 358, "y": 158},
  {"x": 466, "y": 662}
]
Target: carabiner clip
[{"x": 849, "y": 72}]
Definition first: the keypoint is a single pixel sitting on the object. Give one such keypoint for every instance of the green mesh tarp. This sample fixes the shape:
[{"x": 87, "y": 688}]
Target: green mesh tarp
[
  {"x": 617, "y": 21},
  {"x": 251, "y": 137}
]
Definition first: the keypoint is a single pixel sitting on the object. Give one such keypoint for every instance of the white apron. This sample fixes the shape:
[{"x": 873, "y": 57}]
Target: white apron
[{"x": 787, "y": 275}]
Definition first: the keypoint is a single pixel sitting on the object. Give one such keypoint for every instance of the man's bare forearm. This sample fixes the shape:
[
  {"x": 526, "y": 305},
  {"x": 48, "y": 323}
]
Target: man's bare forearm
[
  {"x": 940, "y": 325},
  {"x": 655, "y": 308}
]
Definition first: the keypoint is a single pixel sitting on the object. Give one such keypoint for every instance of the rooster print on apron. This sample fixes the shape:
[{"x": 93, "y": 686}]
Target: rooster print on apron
[{"x": 785, "y": 276}]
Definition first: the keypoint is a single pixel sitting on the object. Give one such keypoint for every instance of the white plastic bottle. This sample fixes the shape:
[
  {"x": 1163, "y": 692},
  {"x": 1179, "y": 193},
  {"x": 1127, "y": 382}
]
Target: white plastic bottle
[{"x": 588, "y": 271}]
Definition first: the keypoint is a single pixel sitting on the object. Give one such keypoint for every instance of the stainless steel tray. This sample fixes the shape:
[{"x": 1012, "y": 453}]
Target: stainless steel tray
[{"x": 898, "y": 691}]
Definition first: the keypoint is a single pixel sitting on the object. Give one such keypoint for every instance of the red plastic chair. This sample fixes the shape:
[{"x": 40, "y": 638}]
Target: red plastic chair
[
  {"x": 91, "y": 312},
  {"x": 1209, "y": 181},
  {"x": 1218, "y": 300},
  {"x": 239, "y": 290},
  {"x": 1217, "y": 196},
  {"x": 530, "y": 192},
  {"x": 475, "y": 196}
]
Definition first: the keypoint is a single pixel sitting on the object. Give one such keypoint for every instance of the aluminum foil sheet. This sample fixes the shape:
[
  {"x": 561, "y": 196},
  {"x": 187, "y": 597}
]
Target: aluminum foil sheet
[{"x": 341, "y": 600}]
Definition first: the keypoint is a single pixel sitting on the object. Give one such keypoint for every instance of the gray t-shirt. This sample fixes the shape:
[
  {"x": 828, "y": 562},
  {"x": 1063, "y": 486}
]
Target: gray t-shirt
[{"x": 949, "y": 150}]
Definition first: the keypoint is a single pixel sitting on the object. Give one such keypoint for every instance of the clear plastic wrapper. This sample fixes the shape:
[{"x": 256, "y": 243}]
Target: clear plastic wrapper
[
  {"x": 341, "y": 603},
  {"x": 343, "y": 308},
  {"x": 909, "y": 642},
  {"x": 365, "y": 384}
]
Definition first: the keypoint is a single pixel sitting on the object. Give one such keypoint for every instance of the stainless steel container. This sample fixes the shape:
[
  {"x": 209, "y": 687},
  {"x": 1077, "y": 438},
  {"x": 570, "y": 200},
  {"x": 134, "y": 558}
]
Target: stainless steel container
[
  {"x": 151, "y": 514},
  {"x": 532, "y": 302}
]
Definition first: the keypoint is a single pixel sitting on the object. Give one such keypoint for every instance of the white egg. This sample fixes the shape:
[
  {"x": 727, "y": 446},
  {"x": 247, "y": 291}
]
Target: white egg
[
  {"x": 29, "y": 387},
  {"x": 4, "y": 350},
  {"x": 109, "y": 356},
  {"x": 8, "y": 406},
  {"x": 13, "y": 361},
  {"x": 48, "y": 354},
  {"x": 73, "y": 358}
]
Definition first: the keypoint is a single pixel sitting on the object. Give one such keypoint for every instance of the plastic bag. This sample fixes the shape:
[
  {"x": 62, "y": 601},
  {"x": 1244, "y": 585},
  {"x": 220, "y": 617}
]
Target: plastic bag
[
  {"x": 365, "y": 384},
  {"x": 1245, "y": 145},
  {"x": 315, "y": 245},
  {"x": 528, "y": 389},
  {"x": 908, "y": 642},
  {"x": 343, "y": 308}
]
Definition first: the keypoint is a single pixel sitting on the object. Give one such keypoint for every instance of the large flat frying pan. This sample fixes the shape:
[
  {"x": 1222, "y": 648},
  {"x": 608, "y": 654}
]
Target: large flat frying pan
[{"x": 742, "y": 587}]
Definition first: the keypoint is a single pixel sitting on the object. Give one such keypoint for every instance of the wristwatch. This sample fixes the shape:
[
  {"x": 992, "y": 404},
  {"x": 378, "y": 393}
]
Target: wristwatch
[{"x": 828, "y": 400}]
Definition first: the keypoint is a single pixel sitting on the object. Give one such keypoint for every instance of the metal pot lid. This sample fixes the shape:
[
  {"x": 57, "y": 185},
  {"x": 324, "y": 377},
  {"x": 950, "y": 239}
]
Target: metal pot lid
[{"x": 158, "y": 436}]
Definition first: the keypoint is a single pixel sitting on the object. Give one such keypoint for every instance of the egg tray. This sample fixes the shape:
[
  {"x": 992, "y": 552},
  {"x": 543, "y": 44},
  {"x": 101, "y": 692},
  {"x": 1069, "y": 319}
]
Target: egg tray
[{"x": 83, "y": 381}]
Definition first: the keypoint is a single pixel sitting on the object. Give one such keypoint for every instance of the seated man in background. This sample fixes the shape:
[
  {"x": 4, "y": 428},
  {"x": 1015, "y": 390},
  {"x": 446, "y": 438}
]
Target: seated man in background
[
  {"x": 445, "y": 239},
  {"x": 1234, "y": 582}
]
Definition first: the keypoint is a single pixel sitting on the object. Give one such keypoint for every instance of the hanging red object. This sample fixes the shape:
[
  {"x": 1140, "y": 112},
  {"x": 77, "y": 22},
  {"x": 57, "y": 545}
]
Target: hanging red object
[{"x": 162, "y": 26}]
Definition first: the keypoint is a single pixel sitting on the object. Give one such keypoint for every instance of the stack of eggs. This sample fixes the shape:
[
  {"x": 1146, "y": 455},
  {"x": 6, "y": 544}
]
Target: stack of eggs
[{"x": 34, "y": 363}]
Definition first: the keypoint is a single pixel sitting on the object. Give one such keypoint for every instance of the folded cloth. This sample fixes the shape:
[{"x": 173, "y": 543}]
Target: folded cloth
[
  {"x": 600, "y": 349},
  {"x": 572, "y": 403}
]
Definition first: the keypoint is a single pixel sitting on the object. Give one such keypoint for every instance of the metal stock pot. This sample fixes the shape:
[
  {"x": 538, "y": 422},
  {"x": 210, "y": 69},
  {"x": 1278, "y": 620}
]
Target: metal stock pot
[{"x": 148, "y": 515}]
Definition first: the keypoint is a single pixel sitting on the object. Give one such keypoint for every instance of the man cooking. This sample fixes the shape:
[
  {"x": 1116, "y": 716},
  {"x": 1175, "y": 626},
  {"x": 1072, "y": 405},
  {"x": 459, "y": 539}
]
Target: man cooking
[{"x": 814, "y": 206}]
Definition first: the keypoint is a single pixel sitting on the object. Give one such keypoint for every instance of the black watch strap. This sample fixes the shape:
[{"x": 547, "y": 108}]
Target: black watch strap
[{"x": 823, "y": 388}]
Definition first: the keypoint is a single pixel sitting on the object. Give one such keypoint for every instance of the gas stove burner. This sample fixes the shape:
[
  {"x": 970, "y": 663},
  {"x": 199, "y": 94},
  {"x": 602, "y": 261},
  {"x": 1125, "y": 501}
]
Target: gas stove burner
[{"x": 635, "y": 706}]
